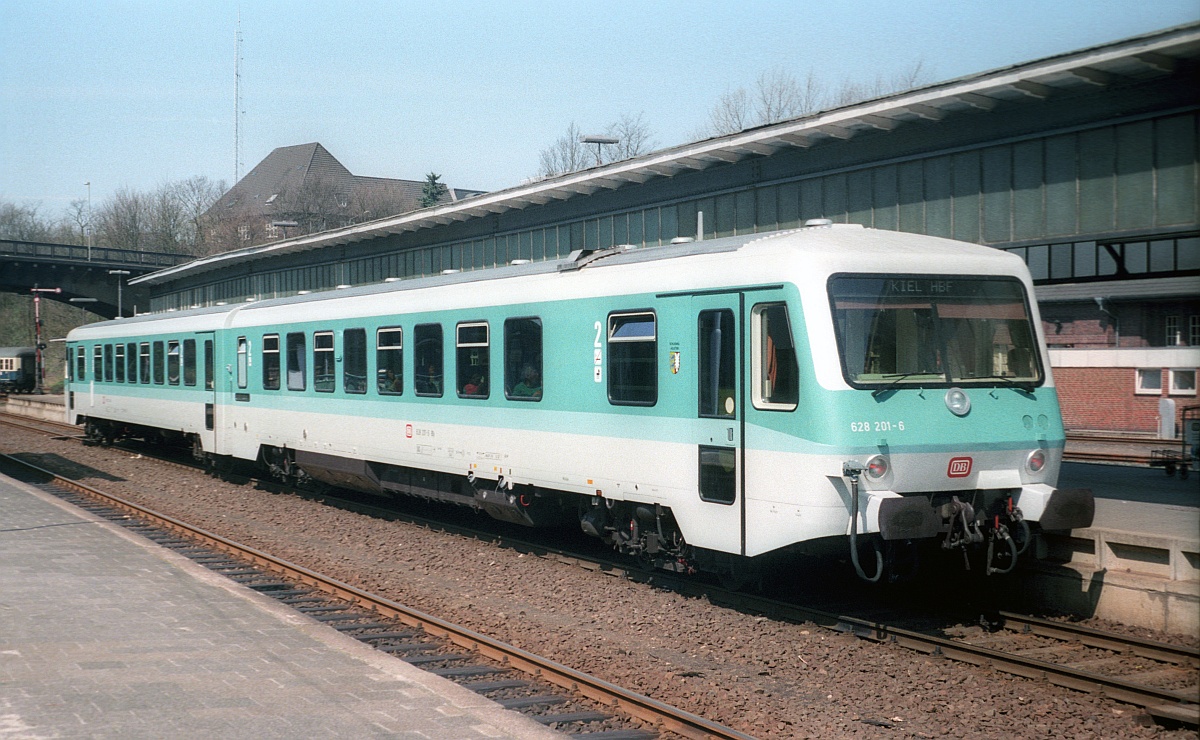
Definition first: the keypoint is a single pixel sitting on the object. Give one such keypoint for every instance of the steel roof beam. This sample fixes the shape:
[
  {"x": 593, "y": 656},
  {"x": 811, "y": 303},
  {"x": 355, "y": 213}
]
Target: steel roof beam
[
  {"x": 1092, "y": 76},
  {"x": 1033, "y": 89}
]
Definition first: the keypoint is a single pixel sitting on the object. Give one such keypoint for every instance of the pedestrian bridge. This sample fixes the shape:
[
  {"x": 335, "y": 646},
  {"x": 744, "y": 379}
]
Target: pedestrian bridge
[{"x": 97, "y": 273}]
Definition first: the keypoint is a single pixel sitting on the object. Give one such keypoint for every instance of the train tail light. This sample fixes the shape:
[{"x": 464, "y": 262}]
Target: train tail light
[
  {"x": 1036, "y": 461},
  {"x": 877, "y": 467}
]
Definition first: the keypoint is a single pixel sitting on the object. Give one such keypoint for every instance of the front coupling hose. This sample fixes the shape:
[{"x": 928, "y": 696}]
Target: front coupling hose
[{"x": 852, "y": 470}]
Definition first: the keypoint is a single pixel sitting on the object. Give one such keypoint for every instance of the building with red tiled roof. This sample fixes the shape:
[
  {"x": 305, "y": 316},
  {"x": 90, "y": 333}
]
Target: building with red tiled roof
[{"x": 304, "y": 189}]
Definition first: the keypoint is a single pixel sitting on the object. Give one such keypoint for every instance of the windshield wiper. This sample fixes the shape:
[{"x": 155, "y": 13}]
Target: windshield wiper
[
  {"x": 1026, "y": 386},
  {"x": 895, "y": 379}
]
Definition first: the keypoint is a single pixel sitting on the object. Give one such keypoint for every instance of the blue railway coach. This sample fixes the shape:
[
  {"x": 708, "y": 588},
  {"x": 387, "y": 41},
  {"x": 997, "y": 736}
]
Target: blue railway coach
[
  {"x": 18, "y": 369},
  {"x": 702, "y": 404}
]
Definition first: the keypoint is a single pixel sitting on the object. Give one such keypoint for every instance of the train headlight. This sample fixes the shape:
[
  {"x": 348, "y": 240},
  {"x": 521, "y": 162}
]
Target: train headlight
[
  {"x": 877, "y": 467},
  {"x": 958, "y": 401},
  {"x": 1036, "y": 461}
]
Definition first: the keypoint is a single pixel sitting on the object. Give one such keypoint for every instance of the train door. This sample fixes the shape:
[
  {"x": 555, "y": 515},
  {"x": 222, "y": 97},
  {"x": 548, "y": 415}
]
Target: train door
[
  {"x": 720, "y": 394},
  {"x": 208, "y": 385}
]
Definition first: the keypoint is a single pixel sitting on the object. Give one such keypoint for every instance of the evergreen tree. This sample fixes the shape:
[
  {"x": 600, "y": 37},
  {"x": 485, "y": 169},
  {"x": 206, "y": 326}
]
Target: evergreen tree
[{"x": 432, "y": 192}]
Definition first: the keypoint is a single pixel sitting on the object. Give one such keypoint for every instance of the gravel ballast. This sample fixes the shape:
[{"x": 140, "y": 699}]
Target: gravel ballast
[{"x": 765, "y": 678}]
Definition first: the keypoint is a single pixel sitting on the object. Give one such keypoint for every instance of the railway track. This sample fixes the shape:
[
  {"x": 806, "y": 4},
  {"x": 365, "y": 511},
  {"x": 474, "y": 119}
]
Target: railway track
[
  {"x": 1162, "y": 679},
  {"x": 575, "y": 703},
  {"x": 42, "y": 426}
]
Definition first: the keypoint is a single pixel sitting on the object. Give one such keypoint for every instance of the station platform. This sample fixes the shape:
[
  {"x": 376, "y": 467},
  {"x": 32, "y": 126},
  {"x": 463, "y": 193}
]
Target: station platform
[{"x": 103, "y": 634}]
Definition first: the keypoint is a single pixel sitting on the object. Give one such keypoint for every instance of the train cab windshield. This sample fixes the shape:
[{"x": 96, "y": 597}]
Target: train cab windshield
[{"x": 927, "y": 330}]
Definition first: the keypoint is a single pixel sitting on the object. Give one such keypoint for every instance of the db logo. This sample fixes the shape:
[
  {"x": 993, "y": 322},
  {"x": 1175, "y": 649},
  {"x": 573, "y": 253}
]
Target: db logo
[
  {"x": 960, "y": 467},
  {"x": 408, "y": 430}
]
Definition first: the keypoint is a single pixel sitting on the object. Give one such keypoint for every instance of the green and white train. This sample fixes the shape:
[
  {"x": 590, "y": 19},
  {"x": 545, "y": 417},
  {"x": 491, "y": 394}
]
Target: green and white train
[{"x": 702, "y": 404}]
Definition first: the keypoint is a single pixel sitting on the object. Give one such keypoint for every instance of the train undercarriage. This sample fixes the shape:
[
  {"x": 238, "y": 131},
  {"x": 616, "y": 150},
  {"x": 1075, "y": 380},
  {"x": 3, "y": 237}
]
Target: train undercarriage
[{"x": 983, "y": 528}]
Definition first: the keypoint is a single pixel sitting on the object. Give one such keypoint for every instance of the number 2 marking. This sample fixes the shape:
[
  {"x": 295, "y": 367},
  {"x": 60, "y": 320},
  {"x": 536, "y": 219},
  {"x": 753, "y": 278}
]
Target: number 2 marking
[{"x": 598, "y": 372}]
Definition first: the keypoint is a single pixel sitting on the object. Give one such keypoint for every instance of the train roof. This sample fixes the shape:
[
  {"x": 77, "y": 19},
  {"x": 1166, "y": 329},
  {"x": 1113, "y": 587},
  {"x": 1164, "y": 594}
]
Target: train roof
[
  {"x": 16, "y": 351},
  {"x": 807, "y": 255}
]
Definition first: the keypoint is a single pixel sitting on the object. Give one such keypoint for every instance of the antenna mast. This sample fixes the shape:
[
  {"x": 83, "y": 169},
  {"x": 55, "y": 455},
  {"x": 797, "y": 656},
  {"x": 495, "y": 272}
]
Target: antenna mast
[{"x": 237, "y": 101}]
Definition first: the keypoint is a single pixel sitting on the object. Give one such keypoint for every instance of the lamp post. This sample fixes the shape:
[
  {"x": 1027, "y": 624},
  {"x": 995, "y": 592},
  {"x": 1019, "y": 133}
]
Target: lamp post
[
  {"x": 81, "y": 302},
  {"x": 39, "y": 345},
  {"x": 599, "y": 141},
  {"x": 120, "y": 279},
  {"x": 89, "y": 223}
]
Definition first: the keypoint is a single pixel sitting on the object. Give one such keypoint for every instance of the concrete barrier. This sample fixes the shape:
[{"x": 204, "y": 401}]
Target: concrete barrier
[
  {"x": 1133, "y": 578},
  {"x": 49, "y": 408}
]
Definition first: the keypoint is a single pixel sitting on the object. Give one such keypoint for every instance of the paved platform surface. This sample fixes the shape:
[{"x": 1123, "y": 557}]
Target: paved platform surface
[
  {"x": 105, "y": 635},
  {"x": 1136, "y": 499}
]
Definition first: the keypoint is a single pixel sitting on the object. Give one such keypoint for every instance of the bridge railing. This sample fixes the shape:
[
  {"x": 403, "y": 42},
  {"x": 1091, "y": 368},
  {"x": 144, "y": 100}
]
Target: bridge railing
[{"x": 102, "y": 255}]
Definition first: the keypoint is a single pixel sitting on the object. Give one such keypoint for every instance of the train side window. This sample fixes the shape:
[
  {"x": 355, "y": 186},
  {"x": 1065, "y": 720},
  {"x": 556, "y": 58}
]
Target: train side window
[
  {"x": 189, "y": 362},
  {"x": 173, "y": 362},
  {"x": 717, "y": 362},
  {"x": 81, "y": 364},
  {"x": 473, "y": 360},
  {"x": 108, "y": 363},
  {"x": 776, "y": 374},
  {"x": 354, "y": 361},
  {"x": 243, "y": 362},
  {"x": 428, "y": 360},
  {"x": 632, "y": 359},
  {"x": 296, "y": 370},
  {"x": 210, "y": 365},
  {"x": 270, "y": 362},
  {"x": 144, "y": 362},
  {"x": 119, "y": 363},
  {"x": 159, "y": 360},
  {"x": 98, "y": 363},
  {"x": 131, "y": 362},
  {"x": 523, "y": 359},
  {"x": 718, "y": 474},
  {"x": 70, "y": 364},
  {"x": 324, "y": 374},
  {"x": 389, "y": 361}
]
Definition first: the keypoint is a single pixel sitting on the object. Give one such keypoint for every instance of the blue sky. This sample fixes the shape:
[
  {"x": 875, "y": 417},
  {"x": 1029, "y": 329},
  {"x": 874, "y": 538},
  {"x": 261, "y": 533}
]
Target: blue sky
[{"x": 134, "y": 94}]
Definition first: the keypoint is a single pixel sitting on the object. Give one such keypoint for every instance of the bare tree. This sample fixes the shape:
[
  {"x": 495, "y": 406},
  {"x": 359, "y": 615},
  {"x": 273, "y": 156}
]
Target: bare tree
[
  {"x": 634, "y": 137},
  {"x": 78, "y": 217},
  {"x": 167, "y": 225},
  {"x": 316, "y": 205},
  {"x": 778, "y": 96},
  {"x": 196, "y": 195},
  {"x": 854, "y": 92},
  {"x": 123, "y": 222},
  {"x": 22, "y": 223},
  {"x": 568, "y": 153},
  {"x": 730, "y": 114}
]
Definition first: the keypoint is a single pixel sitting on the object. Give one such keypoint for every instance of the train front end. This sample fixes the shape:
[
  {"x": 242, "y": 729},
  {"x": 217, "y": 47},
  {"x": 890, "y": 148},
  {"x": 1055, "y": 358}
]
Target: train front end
[{"x": 948, "y": 417}]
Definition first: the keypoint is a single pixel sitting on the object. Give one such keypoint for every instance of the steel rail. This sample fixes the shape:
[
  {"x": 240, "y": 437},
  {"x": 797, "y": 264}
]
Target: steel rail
[
  {"x": 636, "y": 705},
  {"x": 34, "y": 424},
  {"x": 1160, "y": 702},
  {"x": 1182, "y": 655}
]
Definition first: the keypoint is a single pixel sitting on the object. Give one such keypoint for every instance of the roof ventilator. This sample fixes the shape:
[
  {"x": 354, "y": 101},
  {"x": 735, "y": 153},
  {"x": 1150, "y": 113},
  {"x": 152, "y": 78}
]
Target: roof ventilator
[{"x": 581, "y": 258}]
